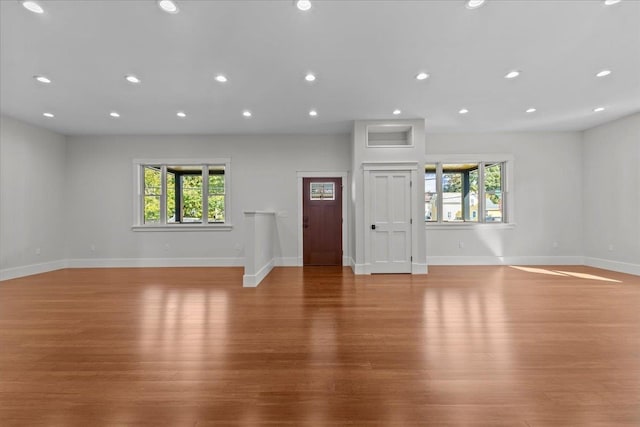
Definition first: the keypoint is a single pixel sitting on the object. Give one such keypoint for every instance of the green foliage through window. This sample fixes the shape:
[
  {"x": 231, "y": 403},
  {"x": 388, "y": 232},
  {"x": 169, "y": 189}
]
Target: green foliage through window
[
  {"x": 184, "y": 194},
  {"x": 216, "y": 198},
  {"x": 152, "y": 193}
]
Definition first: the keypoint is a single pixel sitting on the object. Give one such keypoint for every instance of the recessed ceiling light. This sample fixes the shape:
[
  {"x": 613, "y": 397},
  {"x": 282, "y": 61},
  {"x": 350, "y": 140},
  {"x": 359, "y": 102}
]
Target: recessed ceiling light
[
  {"x": 611, "y": 2},
  {"x": 246, "y": 113},
  {"x": 463, "y": 111},
  {"x": 310, "y": 77},
  {"x": 49, "y": 115},
  {"x": 181, "y": 114},
  {"x": 132, "y": 79},
  {"x": 32, "y": 6},
  {"x": 42, "y": 79},
  {"x": 603, "y": 73},
  {"x": 114, "y": 114},
  {"x": 512, "y": 74},
  {"x": 221, "y": 78},
  {"x": 422, "y": 76},
  {"x": 168, "y": 6},
  {"x": 598, "y": 109},
  {"x": 474, "y": 4},
  {"x": 396, "y": 112},
  {"x": 313, "y": 113},
  {"x": 303, "y": 5},
  {"x": 531, "y": 110}
]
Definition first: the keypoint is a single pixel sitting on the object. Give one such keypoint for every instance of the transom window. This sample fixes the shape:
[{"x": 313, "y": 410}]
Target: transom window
[
  {"x": 465, "y": 192},
  {"x": 177, "y": 193}
]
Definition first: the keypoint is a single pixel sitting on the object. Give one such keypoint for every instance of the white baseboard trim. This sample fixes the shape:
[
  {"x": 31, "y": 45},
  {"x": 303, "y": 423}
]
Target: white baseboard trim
[
  {"x": 286, "y": 261},
  {"x": 352, "y": 264},
  {"x": 620, "y": 267},
  {"x": 298, "y": 262},
  {"x": 154, "y": 262},
  {"x": 417, "y": 268},
  {"x": 253, "y": 280},
  {"x": 360, "y": 269},
  {"x": 510, "y": 260},
  {"x": 29, "y": 270}
]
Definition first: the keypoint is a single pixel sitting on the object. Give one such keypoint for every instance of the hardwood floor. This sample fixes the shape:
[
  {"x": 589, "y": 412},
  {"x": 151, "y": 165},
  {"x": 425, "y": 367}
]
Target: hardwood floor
[{"x": 463, "y": 346}]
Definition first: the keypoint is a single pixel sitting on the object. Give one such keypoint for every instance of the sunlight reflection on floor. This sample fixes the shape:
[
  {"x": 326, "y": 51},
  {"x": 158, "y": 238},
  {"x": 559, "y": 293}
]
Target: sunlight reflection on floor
[{"x": 563, "y": 273}]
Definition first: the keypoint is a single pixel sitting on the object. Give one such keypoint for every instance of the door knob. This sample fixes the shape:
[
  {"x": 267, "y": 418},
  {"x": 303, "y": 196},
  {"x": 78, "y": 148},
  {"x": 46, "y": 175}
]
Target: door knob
[{"x": 373, "y": 226}]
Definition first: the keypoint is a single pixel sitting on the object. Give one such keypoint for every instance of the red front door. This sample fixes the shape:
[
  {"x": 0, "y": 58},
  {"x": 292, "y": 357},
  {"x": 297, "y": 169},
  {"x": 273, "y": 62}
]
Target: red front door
[{"x": 322, "y": 221}]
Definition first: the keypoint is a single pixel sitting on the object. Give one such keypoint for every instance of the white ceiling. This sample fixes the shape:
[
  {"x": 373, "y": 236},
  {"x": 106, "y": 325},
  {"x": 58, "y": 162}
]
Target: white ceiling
[{"x": 365, "y": 55}]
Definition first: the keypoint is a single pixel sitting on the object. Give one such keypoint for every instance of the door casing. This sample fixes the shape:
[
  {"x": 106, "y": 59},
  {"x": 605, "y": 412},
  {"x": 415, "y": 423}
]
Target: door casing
[
  {"x": 322, "y": 223},
  {"x": 417, "y": 226},
  {"x": 393, "y": 218},
  {"x": 346, "y": 258}
]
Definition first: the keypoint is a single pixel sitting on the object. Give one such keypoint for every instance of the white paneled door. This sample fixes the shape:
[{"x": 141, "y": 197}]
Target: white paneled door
[{"x": 390, "y": 226}]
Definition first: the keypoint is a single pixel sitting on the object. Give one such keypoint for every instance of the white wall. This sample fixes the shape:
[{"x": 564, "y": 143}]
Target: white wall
[
  {"x": 547, "y": 192},
  {"x": 611, "y": 178},
  {"x": 260, "y": 229},
  {"x": 32, "y": 199},
  {"x": 65, "y": 197},
  {"x": 263, "y": 177}
]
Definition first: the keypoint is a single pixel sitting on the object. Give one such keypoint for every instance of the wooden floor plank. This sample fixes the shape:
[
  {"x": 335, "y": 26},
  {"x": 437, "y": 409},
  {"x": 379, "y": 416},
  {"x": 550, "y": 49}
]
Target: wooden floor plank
[{"x": 462, "y": 346}]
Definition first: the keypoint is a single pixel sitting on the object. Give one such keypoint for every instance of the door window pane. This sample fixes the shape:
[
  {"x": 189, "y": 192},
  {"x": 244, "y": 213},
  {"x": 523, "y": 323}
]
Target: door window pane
[{"x": 322, "y": 191}]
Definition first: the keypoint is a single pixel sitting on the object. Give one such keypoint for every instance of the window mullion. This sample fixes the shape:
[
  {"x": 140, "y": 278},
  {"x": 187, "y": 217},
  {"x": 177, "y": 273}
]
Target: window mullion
[
  {"x": 163, "y": 194},
  {"x": 481, "y": 197},
  {"x": 503, "y": 187},
  {"x": 141, "y": 189},
  {"x": 205, "y": 194},
  {"x": 440, "y": 204}
]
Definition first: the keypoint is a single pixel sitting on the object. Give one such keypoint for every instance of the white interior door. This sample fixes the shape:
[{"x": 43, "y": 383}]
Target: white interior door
[{"x": 390, "y": 226}]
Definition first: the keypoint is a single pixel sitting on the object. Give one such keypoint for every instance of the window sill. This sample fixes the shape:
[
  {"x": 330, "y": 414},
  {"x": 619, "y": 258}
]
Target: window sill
[
  {"x": 183, "y": 227},
  {"x": 469, "y": 226}
]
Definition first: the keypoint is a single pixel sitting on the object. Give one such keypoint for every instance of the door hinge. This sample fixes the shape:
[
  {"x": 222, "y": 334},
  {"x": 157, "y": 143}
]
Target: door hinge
[
  {"x": 411, "y": 221},
  {"x": 410, "y": 183},
  {"x": 411, "y": 258}
]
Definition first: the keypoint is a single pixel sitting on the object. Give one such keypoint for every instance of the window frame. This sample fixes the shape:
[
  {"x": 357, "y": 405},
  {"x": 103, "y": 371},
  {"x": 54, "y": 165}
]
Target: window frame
[
  {"x": 508, "y": 211},
  {"x": 163, "y": 225}
]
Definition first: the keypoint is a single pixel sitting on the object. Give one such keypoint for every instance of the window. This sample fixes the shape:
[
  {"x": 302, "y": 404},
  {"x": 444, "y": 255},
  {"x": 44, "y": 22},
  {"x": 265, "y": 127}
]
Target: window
[
  {"x": 465, "y": 192},
  {"x": 152, "y": 194},
  {"x": 430, "y": 194},
  {"x": 493, "y": 184},
  {"x": 178, "y": 194},
  {"x": 322, "y": 191}
]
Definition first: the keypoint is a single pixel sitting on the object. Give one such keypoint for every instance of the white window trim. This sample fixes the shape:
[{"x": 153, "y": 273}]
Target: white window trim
[
  {"x": 508, "y": 160},
  {"x": 138, "y": 223}
]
